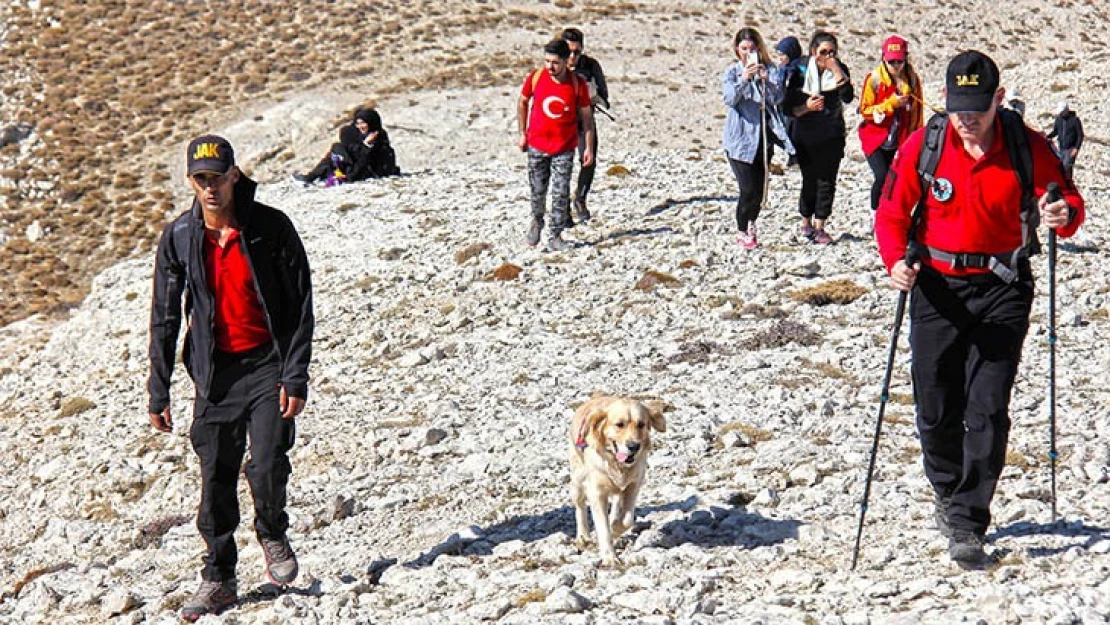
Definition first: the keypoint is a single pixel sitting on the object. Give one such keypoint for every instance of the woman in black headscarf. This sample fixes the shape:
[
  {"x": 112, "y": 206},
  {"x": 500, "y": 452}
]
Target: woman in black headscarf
[{"x": 363, "y": 151}]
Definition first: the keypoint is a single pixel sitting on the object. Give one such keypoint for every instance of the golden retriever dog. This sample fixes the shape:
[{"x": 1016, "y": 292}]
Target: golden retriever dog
[{"x": 610, "y": 439}]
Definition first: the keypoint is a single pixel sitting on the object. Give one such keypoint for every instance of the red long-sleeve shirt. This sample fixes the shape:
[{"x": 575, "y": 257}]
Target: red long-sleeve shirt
[{"x": 983, "y": 214}]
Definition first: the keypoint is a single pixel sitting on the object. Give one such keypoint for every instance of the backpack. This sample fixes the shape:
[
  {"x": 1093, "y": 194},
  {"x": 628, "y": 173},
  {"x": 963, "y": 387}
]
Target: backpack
[{"x": 1015, "y": 135}]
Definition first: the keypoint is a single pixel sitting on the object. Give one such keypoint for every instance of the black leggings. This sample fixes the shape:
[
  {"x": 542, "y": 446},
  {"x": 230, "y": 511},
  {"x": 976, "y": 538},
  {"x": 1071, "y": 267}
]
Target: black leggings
[
  {"x": 820, "y": 163},
  {"x": 879, "y": 161},
  {"x": 750, "y": 178}
]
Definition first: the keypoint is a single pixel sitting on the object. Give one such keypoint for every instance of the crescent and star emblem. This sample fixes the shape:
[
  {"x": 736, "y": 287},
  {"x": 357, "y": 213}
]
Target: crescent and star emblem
[{"x": 551, "y": 102}]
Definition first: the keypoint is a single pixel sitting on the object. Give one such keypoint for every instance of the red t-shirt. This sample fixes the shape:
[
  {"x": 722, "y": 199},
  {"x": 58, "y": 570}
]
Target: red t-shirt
[
  {"x": 979, "y": 209},
  {"x": 553, "y": 122},
  {"x": 240, "y": 322}
]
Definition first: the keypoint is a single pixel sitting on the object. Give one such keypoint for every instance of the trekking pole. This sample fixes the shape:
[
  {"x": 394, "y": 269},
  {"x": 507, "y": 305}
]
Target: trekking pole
[
  {"x": 766, "y": 159},
  {"x": 1053, "y": 196},
  {"x": 605, "y": 113},
  {"x": 884, "y": 396}
]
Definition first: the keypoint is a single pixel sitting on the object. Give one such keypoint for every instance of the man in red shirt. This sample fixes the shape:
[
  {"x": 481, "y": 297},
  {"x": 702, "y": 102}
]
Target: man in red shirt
[
  {"x": 244, "y": 275},
  {"x": 549, "y": 134},
  {"x": 968, "y": 321}
]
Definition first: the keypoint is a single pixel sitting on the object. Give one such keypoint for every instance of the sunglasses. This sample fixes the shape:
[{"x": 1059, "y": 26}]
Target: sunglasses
[
  {"x": 827, "y": 52},
  {"x": 895, "y": 62}
]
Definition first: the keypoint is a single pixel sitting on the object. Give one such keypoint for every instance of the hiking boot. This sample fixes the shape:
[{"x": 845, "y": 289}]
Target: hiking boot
[
  {"x": 581, "y": 213},
  {"x": 820, "y": 237},
  {"x": 940, "y": 514},
  {"x": 281, "y": 563},
  {"x": 808, "y": 232},
  {"x": 557, "y": 244},
  {"x": 210, "y": 598},
  {"x": 966, "y": 549},
  {"x": 534, "y": 231}
]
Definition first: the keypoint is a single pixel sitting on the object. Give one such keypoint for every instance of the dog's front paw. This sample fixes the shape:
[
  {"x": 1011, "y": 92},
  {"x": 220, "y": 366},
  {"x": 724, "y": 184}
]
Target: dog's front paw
[
  {"x": 581, "y": 543},
  {"x": 610, "y": 560}
]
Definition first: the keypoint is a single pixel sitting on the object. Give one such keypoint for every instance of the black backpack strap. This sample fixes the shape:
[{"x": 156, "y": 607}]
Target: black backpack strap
[
  {"x": 1021, "y": 157},
  {"x": 927, "y": 160}
]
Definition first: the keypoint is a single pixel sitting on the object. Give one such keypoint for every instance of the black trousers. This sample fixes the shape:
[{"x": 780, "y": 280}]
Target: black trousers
[
  {"x": 879, "y": 161},
  {"x": 966, "y": 339},
  {"x": 819, "y": 163},
  {"x": 750, "y": 178},
  {"x": 242, "y": 405},
  {"x": 586, "y": 174}
]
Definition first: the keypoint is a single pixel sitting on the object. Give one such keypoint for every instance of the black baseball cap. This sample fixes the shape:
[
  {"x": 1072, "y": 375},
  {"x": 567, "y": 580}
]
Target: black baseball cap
[
  {"x": 970, "y": 83},
  {"x": 209, "y": 154}
]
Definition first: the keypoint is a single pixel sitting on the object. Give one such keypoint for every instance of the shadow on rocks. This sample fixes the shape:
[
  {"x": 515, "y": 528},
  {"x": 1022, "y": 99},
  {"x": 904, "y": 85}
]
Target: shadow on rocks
[
  {"x": 669, "y": 203},
  {"x": 269, "y": 592},
  {"x": 717, "y": 526},
  {"x": 1090, "y": 534}
]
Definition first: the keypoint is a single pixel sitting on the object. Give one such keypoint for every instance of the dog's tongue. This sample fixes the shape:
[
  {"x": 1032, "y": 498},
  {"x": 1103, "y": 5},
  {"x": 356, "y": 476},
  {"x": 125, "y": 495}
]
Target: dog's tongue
[{"x": 622, "y": 456}]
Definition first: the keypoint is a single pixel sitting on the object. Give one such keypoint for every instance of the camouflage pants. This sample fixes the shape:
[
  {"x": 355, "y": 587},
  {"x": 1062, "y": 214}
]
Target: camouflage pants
[{"x": 555, "y": 171}]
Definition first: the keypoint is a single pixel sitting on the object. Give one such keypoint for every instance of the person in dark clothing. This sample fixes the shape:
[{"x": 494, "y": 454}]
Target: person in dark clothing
[
  {"x": 363, "y": 152},
  {"x": 789, "y": 51},
  {"x": 244, "y": 275},
  {"x": 1068, "y": 132},
  {"x": 971, "y": 289},
  {"x": 817, "y": 104},
  {"x": 590, "y": 71}
]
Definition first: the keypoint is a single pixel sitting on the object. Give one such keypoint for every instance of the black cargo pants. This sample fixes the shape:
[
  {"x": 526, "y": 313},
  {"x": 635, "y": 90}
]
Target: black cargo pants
[
  {"x": 966, "y": 338},
  {"x": 242, "y": 405}
]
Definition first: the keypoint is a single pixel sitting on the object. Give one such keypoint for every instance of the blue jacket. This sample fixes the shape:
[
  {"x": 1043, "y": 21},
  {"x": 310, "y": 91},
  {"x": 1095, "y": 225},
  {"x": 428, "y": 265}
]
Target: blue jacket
[{"x": 742, "y": 126}]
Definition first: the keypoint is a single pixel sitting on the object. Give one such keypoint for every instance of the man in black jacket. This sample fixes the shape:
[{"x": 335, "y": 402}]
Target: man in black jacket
[
  {"x": 590, "y": 71},
  {"x": 248, "y": 300},
  {"x": 1068, "y": 132}
]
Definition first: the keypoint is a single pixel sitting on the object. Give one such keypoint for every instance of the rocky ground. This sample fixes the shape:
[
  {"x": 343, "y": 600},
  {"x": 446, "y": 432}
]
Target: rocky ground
[{"x": 430, "y": 474}]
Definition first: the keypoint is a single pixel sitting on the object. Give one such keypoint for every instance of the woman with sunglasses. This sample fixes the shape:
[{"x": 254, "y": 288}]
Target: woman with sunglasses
[
  {"x": 890, "y": 110},
  {"x": 816, "y": 103}
]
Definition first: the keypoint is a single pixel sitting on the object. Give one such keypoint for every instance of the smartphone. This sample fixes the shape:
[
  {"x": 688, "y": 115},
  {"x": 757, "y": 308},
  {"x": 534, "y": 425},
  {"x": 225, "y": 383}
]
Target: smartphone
[{"x": 753, "y": 58}]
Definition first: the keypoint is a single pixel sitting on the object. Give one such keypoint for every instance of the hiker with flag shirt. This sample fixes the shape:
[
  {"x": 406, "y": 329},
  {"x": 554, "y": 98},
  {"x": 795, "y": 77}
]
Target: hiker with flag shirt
[
  {"x": 245, "y": 279},
  {"x": 559, "y": 100},
  {"x": 890, "y": 110},
  {"x": 968, "y": 235},
  {"x": 750, "y": 89},
  {"x": 816, "y": 102},
  {"x": 589, "y": 70}
]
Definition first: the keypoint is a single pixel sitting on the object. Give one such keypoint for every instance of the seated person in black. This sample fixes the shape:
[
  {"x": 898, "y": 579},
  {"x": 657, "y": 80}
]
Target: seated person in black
[{"x": 363, "y": 151}]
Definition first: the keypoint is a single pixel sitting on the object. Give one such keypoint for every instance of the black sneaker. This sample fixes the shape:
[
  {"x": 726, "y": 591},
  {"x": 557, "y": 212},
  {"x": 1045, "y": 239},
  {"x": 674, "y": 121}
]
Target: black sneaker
[
  {"x": 302, "y": 179},
  {"x": 940, "y": 514},
  {"x": 210, "y": 598},
  {"x": 966, "y": 549},
  {"x": 534, "y": 231},
  {"x": 581, "y": 213},
  {"x": 281, "y": 562}
]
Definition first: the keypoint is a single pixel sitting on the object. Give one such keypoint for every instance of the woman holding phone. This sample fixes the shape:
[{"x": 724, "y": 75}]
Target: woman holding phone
[
  {"x": 750, "y": 91},
  {"x": 816, "y": 104}
]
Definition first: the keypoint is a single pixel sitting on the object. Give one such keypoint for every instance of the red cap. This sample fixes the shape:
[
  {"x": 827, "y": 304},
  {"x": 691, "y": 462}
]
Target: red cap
[{"x": 894, "y": 48}]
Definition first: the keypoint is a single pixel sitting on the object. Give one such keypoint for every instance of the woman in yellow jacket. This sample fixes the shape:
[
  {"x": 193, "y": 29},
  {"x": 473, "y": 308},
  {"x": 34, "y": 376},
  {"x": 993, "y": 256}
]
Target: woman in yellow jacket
[{"x": 890, "y": 109}]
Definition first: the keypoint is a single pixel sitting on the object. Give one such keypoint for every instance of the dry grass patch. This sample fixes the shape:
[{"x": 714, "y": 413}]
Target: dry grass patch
[
  {"x": 754, "y": 434},
  {"x": 76, "y": 405},
  {"x": 470, "y": 251},
  {"x": 652, "y": 279},
  {"x": 833, "y": 292},
  {"x": 782, "y": 334}
]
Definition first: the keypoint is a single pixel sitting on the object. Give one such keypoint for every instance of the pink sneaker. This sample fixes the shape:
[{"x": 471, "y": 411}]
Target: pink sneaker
[
  {"x": 808, "y": 232},
  {"x": 747, "y": 240},
  {"x": 820, "y": 237}
]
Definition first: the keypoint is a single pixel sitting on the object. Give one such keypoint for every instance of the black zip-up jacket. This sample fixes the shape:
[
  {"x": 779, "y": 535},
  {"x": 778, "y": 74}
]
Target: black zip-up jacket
[
  {"x": 281, "y": 277},
  {"x": 817, "y": 126},
  {"x": 1068, "y": 131},
  {"x": 589, "y": 69}
]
